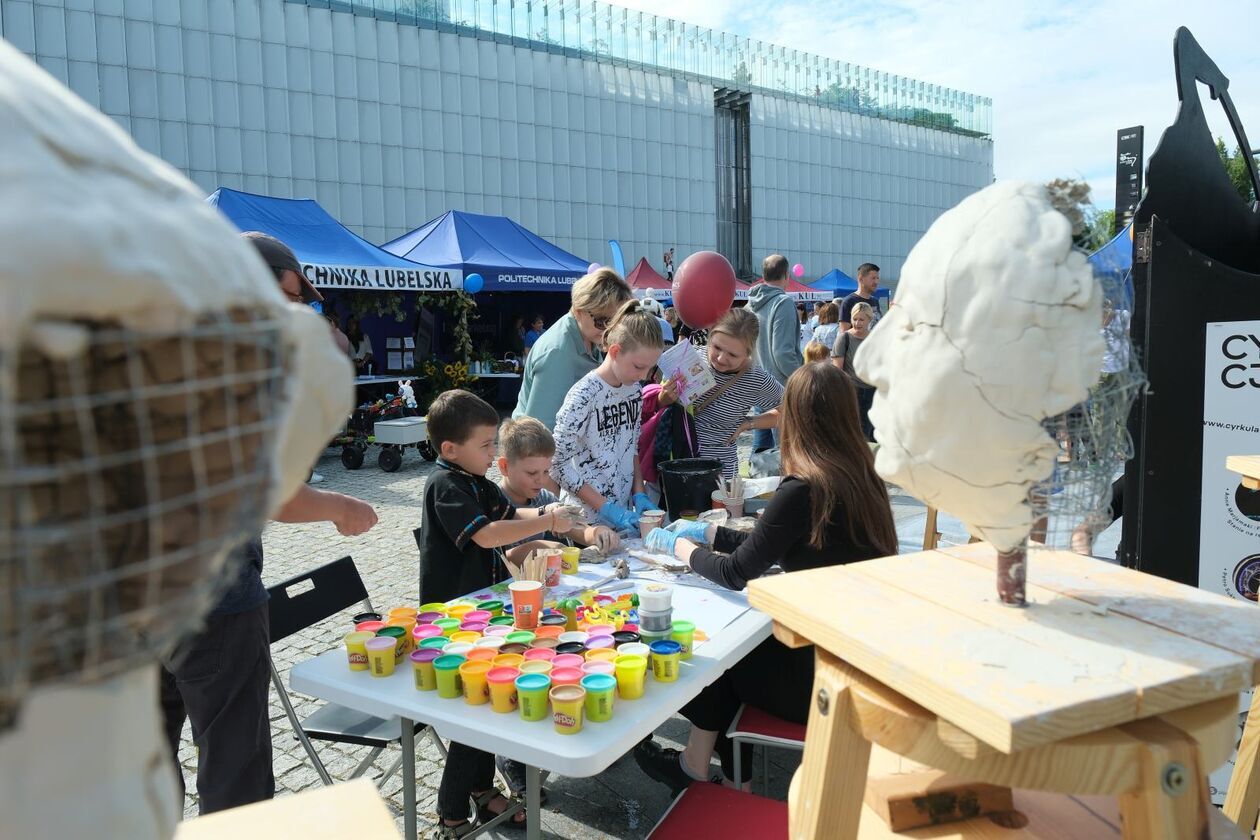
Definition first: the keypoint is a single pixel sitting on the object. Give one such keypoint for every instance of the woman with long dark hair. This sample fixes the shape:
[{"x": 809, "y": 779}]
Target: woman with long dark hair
[{"x": 831, "y": 508}]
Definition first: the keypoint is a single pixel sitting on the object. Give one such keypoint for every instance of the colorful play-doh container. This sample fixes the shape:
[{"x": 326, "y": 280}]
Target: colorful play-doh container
[
  {"x": 571, "y": 647},
  {"x": 553, "y": 620},
  {"x": 477, "y": 627},
  {"x": 356, "y": 650},
  {"x": 597, "y": 642},
  {"x": 495, "y": 608},
  {"x": 473, "y": 675},
  {"x": 448, "y": 625},
  {"x": 502, "y": 683},
  {"x": 498, "y": 630},
  {"x": 545, "y": 644},
  {"x": 480, "y": 654},
  {"x": 570, "y": 557},
  {"x": 539, "y": 653},
  {"x": 565, "y": 676},
  {"x": 429, "y": 617},
  {"x": 513, "y": 647},
  {"x": 508, "y": 660},
  {"x": 631, "y": 673},
  {"x": 407, "y": 625},
  {"x": 605, "y": 654},
  {"x": 433, "y": 643},
  {"x": 526, "y": 602},
  {"x": 465, "y": 636},
  {"x": 656, "y": 597},
  {"x": 369, "y": 626},
  {"x": 400, "y": 640},
  {"x": 599, "y": 690},
  {"x": 566, "y": 707},
  {"x": 482, "y": 616},
  {"x": 598, "y": 667},
  {"x": 599, "y": 629},
  {"x": 403, "y": 612},
  {"x": 422, "y": 666},
  {"x": 625, "y": 637},
  {"x": 531, "y": 695},
  {"x": 433, "y": 606},
  {"x": 520, "y": 637},
  {"x": 425, "y": 631},
  {"x": 548, "y": 631},
  {"x": 459, "y": 610},
  {"x": 380, "y": 654},
  {"x": 573, "y": 636},
  {"x": 449, "y": 684},
  {"x": 491, "y": 642},
  {"x": 457, "y": 648},
  {"x": 502, "y": 620},
  {"x": 366, "y": 616},
  {"x": 535, "y": 666},
  {"x": 665, "y": 656},
  {"x": 567, "y": 660},
  {"x": 635, "y": 649},
  {"x": 683, "y": 632}
]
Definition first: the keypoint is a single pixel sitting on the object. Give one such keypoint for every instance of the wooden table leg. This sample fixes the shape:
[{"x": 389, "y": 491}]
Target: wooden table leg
[
  {"x": 1242, "y": 800},
  {"x": 825, "y": 799},
  {"x": 1172, "y": 802},
  {"x": 931, "y": 536}
]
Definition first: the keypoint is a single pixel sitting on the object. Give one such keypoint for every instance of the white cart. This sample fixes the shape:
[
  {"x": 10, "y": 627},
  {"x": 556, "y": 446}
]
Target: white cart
[{"x": 393, "y": 436}]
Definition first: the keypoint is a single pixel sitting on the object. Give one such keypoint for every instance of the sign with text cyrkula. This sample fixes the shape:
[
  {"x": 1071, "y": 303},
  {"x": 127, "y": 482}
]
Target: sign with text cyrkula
[{"x": 1229, "y": 526}]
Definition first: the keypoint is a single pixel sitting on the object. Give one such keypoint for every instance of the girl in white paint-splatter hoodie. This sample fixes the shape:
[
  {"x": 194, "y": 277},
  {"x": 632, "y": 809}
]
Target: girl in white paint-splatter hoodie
[{"x": 597, "y": 428}]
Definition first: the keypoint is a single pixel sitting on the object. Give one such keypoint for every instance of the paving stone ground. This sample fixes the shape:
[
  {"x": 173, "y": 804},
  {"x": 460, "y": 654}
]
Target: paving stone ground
[{"x": 619, "y": 803}]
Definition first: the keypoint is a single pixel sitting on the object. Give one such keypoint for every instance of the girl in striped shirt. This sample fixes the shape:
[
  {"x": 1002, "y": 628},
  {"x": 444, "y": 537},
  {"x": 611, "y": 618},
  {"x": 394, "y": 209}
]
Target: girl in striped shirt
[{"x": 741, "y": 384}]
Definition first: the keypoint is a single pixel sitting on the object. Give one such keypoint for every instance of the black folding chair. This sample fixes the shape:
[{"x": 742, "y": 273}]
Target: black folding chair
[{"x": 301, "y": 602}]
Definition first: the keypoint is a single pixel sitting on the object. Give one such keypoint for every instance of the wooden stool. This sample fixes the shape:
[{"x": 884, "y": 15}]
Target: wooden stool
[{"x": 1111, "y": 682}]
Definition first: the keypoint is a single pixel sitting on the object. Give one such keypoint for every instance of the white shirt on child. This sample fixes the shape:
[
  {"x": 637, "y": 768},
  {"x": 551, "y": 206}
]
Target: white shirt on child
[{"x": 597, "y": 439}]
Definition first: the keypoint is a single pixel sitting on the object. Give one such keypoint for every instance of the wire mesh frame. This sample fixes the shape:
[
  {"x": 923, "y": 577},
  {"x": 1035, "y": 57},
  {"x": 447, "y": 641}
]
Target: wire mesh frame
[
  {"x": 1074, "y": 505},
  {"x": 127, "y": 472}
]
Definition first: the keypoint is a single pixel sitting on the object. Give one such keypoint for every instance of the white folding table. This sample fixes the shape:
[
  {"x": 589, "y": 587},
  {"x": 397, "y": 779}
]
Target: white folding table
[{"x": 733, "y": 629}]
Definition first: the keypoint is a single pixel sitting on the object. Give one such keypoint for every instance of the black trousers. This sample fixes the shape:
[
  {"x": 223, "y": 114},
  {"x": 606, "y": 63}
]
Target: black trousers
[
  {"x": 773, "y": 677},
  {"x": 866, "y": 398},
  {"x": 220, "y": 680},
  {"x": 466, "y": 770}
]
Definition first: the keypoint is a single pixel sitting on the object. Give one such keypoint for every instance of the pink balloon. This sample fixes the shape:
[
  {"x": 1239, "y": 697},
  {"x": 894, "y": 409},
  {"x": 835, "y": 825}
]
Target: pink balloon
[
  {"x": 593, "y": 267},
  {"x": 798, "y": 269}
]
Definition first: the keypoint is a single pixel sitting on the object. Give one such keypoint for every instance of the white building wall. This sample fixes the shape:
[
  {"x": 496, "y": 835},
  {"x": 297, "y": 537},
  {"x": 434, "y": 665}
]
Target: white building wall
[
  {"x": 835, "y": 189},
  {"x": 389, "y": 125}
]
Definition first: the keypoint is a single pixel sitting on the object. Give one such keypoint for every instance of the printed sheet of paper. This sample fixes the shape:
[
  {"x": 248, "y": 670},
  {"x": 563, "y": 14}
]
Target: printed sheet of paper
[{"x": 682, "y": 364}]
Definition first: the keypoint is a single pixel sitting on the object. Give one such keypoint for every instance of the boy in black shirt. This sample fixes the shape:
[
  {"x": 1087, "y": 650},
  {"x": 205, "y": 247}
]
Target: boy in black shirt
[{"x": 466, "y": 517}]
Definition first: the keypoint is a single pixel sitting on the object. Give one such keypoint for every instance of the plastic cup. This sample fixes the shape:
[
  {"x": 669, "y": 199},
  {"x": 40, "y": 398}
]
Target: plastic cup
[
  {"x": 508, "y": 660},
  {"x": 543, "y": 654},
  {"x": 495, "y": 608},
  {"x": 434, "y": 643},
  {"x": 599, "y": 642},
  {"x": 369, "y": 626},
  {"x": 655, "y": 622},
  {"x": 499, "y": 630},
  {"x": 535, "y": 666},
  {"x": 635, "y": 649},
  {"x": 569, "y": 559},
  {"x": 380, "y": 654},
  {"x": 565, "y": 676},
  {"x": 490, "y": 643},
  {"x": 356, "y": 650},
  {"x": 422, "y": 666},
  {"x": 448, "y": 625},
  {"x": 481, "y": 654},
  {"x": 567, "y": 660},
  {"x": 631, "y": 672},
  {"x": 429, "y": 617},
  {"x": 548, "y": 631},
  {"x": 477, "y": 627},
  {"x": 502, "y": 620},
  {"x": 459, "y": 610},
  {"x": 465, "y": 636},
  {"x": 665, "y": 657},
  {"x": 656, "y": 597},
  {"x": 449, "y": 684},
  {"x": 502, "y": 683},
  {"x": 545, "y": 644},
  {"x": 650, "y": 519},
  {"x": 600, "y": 692},
  {"x": 555, "y": 563},
  {"x": 473, "y": 675},
  {"x": 433, "y": 606},
  {"x": 600, "y": 630},
  {"x": 480, "y": 615},
  {"x": 457, "y": 648},
  {"x": 526, "y": 602},
  {"x": 520, "y": 637},
  {"x": 625, "y": 637},
  {"x": 684, "y": 632},
  {"x": 566, "y": 707},
  {"x": 531, "y": 695},
  {"x": 400, "y": 640},
  {"x": 366, "y": 616},
  {"x": 577, "y": 636},
  {"x": 605, "y": 654},
  {"x": 513, "y": 647},
  {"x": 600, "y": 667}
]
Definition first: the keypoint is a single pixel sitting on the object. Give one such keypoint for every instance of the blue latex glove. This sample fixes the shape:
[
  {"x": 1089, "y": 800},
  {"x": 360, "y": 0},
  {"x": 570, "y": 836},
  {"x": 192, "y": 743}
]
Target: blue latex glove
[
  {"x": 660, "y": 541},
  {"x": 697, "y": 532},
  {"x": 663, "y": 540},
  {"x": 618, "y": 517},
  {"x": 641, "y": 502}
]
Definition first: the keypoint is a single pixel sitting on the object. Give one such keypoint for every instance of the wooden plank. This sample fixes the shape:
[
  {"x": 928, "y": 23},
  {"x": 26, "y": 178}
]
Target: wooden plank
[
  {"x": 1155, "y": 812},
  {"x": 898, "y": 639},
  {"x": 1037, "y": 815},
  {"x": 932, "y": 797},
  {"x": 1242, "y": 800},
  {"x": 825, "y": 799},
  {"x": 1247, "y": 466},
  {"x": 350, "y": 809},
  {"x": 1167, "y": 670},
  {"x": 1208, "y": 617}
]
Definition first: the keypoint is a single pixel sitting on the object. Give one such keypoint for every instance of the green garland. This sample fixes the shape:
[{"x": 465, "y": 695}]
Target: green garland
[{"x": 382, "y": 304}]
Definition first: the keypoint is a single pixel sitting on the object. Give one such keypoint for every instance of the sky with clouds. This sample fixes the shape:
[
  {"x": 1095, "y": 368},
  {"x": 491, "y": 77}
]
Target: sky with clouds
[{"x": 1063, "y": 76}]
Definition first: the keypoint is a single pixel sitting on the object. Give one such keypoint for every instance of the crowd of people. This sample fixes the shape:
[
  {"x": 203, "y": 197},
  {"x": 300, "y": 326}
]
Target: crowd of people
[{"x": 592, "y": 423}]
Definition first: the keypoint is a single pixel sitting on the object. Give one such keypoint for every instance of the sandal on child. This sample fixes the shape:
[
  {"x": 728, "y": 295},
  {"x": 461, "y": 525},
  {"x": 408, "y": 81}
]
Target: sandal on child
[
  {"x": 482, "y": 802},
  {"x": 453, "y": 832}
]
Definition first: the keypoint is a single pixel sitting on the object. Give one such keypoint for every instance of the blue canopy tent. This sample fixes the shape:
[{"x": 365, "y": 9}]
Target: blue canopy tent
[
  {"x": 840, "y": 284},
  {"x": 332, "y": 256},
  {"x": 507, "y": 256},
  {"x": 1116, "y": 257}
]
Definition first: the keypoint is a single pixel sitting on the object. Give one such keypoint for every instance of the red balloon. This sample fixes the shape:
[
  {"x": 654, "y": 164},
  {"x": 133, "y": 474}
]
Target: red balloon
[{"x": 704, "y": 288}]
